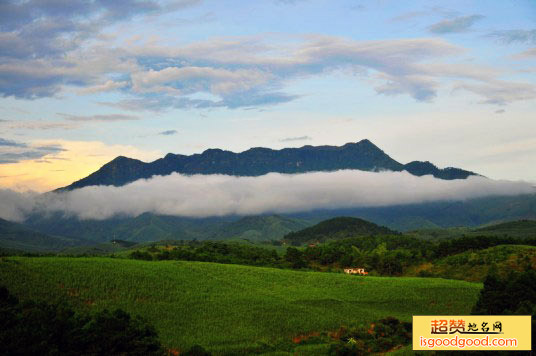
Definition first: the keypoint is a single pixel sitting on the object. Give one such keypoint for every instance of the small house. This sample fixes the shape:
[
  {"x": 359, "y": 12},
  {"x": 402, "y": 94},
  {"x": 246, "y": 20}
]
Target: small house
[{"x": 359, "y": 270}]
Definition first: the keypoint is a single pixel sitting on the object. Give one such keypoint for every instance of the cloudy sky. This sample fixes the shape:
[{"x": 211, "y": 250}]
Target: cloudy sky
[{"x": 84, "y": 81}]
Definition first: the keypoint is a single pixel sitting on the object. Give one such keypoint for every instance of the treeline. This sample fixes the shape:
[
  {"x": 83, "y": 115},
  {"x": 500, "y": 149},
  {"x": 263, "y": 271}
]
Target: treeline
[
  {"x": 380, "y": 254},
  {"x": 391, "y": 255},
  {"x": 449, "y": 247},
  {"x": 383, "y": 255},
  {"x": 219, "y": 252}
]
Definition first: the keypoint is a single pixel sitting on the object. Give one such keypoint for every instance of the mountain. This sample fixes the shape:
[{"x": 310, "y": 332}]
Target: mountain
[
  {"x": 337, "y": 228},
  {"x": 260, "y": 228},
  {"x": 15, "y": 236},
  {"x": 149, "y": 227},
  {"x": 520, "y": 228},
  {"x": 470, "y": 213},
  {"x": 418, "y": 168},
  {"x": 362, "y": 155},
  {"x": 142, "y": 228}
]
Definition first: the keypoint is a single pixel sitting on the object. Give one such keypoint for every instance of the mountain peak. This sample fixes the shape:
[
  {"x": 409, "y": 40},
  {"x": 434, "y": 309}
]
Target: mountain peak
[{"x": 362, "y": 155}]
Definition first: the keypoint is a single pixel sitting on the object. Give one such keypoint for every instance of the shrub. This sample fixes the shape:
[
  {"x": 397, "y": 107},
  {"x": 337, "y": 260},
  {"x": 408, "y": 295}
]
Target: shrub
[{"x": 51, "y": 329}]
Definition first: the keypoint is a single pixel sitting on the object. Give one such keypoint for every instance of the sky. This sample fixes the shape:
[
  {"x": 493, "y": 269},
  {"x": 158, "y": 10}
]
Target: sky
[{"x": 82, "y": 82}]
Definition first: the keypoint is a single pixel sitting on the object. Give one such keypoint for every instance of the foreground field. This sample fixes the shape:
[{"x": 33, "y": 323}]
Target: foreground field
[{"x": 227, "y": 308}]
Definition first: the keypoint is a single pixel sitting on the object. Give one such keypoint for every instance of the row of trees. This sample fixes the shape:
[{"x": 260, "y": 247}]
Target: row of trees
[
  {"x": 382, "y": 254},
  {"x": 219, "y": 252}
]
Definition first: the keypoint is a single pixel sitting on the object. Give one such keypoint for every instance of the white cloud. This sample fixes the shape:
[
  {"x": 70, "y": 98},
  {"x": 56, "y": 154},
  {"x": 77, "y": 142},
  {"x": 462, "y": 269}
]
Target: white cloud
[
  {"x": 99, "y": 118},
  {"x": 218, "y": 195},
  {"x": 458, "y": 24},
  {"x": 109, "y": 85}
]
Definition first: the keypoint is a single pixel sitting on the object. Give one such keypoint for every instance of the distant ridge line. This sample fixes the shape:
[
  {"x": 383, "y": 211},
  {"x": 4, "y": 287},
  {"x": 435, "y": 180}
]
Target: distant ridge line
[{"x": 362, "y": 155}]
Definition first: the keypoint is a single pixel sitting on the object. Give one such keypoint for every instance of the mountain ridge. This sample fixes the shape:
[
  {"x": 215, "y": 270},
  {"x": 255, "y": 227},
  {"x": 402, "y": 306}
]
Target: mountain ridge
[
  {"x": 17, "y": 236},
  {"x": 256, "y": 161}
]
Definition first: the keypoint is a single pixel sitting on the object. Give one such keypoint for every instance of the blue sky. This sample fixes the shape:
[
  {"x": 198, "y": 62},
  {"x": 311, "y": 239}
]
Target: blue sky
[{"x": 84, "y": 81}]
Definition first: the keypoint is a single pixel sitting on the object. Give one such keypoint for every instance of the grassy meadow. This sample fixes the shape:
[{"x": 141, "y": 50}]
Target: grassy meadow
[{"x": 231, "y": 308}]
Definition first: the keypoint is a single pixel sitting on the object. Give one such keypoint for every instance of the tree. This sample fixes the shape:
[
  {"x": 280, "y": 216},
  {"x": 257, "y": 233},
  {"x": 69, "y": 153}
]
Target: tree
[
  {"x": 52, "y": 329},
  {"x": 513, "y": 295},
  {"x": 295, "y": 258}
]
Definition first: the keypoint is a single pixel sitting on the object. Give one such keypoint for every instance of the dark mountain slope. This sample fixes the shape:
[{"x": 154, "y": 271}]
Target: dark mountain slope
[
  {"x": 336, "y": 228},
  {"x": 362, "y": 155},
  {"x": 419, "y": 168},
  {"x": 470, "y": 213},
  {"x": 142, "y": 228},
  {"x": 150, "y": 227},
  {"x": 18, "y": 237},
  {"x": 260, "y": 228},
  {"x": 520, "y": 228}
]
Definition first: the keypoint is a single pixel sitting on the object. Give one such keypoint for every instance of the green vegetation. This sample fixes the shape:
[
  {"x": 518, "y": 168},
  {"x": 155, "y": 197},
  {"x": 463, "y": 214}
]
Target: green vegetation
[
  {"x": 18, "y": 237},
  {"x": 50, "y": 329},
  {"x": 513, "y": 294},
  {"x": 380, "y": 336},
  {"x": 471, "y": 213},
  {"x": 230, "y": 308},
  {"x": 102, "y": 249},
  {"x": 474, "y": 265},
  {"x": 467, "y": 258},
  {"x": 260, "y": 228},
  {"x": 336, "y": 228},
  {"x": 207, "y": 251},
  {"x": 520, "y": 228},
  {"x": 149, "y": 227}
]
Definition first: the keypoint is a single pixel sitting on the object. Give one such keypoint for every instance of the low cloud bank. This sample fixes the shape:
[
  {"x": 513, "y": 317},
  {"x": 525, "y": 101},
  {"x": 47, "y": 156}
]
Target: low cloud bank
[{"x": 218, "y": 195}]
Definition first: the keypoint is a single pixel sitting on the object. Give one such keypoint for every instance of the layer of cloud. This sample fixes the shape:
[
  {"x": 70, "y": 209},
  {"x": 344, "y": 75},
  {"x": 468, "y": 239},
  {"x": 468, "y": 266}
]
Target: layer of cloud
[
  {"x": 109, "y": 85},
  {"x": 229, "y": 72},
  {"x": 500, "y": 92},
  {"x": 515, "y": 36},
  {"x": 219, "y": 195},
  {"x": 455, "y": 25},
  {"x": 36, "y": 29},
  {"x": 294, "y": 139},
  {"x": 13, "y": 152},
  {"x": 39, "y": 125},
  {"x": 99, "y": 118},
  {"x": 168, "y": 132},
  {"x": 43, "y": 43},
  {"x": 528, "y": 54},
  {"x": 10, "y": 143},
  {"x": 246, "y": 71}
]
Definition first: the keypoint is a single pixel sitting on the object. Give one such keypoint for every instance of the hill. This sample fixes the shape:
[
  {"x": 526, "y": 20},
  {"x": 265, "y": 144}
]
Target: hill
[
  {"x": 362, "y": 155},
  {"x": 142, "y": 228},
  {"x": 149, "y": 227},
  {"x": 231, "y": 309},
  {"x": 519, "y": 228},
  {"x": 260, "y": 228},
  {"x": 335, "y": 229},
  {"x": 469, "y": 213},
  {"x": 14, "y": 236},
  {"x": 474, "y": 265}
]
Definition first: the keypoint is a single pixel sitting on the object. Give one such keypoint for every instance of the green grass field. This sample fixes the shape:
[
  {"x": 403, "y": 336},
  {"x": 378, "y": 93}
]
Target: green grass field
[{"x": 227, "y": 308}]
